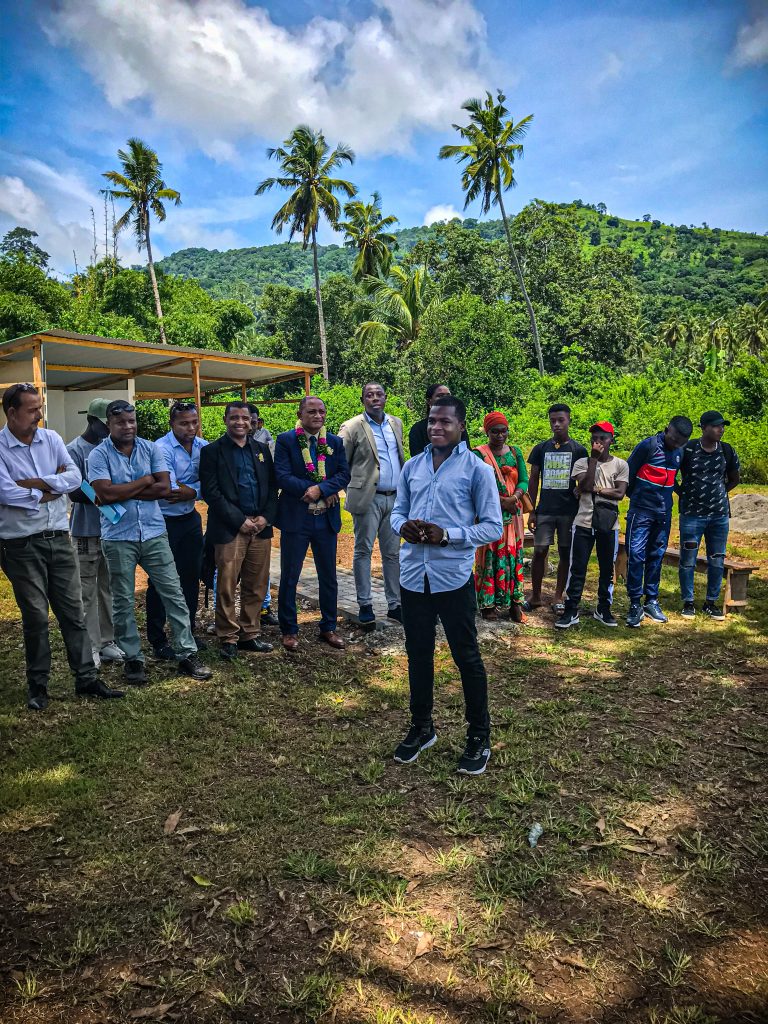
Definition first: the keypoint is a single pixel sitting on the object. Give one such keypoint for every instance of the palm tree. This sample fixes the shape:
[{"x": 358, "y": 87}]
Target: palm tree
[
  {"x": 752, "y": 328},
  {"x": 400, "y": 304},
  {"x": 141, "y": 184},
  {"x": 365, "y": 231},
  {"x": 492, "y": 145},
  {"x": 306, "y": 164}
]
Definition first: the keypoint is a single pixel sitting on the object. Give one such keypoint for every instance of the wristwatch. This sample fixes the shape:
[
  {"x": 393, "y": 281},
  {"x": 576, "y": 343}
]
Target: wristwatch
[{"x": 445, "y": 539}]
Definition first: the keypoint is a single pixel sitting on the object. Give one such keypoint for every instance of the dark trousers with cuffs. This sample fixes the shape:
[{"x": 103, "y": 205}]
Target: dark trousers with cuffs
[
  {"x": 185, "y": 537},
  {"x": 44, "y": 572},
  {"x": 456, "y": 610},
  {"x": 607, "y": 544},
  {"x": 317, "y": 535}
]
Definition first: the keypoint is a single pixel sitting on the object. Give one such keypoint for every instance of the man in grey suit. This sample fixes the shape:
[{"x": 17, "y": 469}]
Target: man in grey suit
[{"x": 373, "y": 443}]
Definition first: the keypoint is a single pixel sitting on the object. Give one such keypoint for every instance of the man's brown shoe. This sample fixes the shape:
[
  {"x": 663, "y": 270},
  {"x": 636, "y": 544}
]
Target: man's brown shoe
[
  {"x": 290, "y": 642},
  {"x": 333, "y": 640}
]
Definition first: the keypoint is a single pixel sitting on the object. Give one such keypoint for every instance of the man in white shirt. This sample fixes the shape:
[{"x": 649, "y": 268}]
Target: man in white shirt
[
  {"x": 36, "y": 472},
  {"x": 373, "y": 442}
]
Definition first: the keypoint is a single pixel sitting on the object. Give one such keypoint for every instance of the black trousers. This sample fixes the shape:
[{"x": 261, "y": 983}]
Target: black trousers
[
  {"x": 42, "y": 573},
  {"x": 456, "y": 610},
  {"x": 607, "y": 544},
  {"x": 185, "y": 537}
]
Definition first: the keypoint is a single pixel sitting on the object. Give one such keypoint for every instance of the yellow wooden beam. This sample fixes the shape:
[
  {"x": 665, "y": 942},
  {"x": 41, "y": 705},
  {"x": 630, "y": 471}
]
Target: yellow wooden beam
[
  {"x": 67, "y": 368},
  {"x": 163, "y": 394},
  {"x": 198, "y": 397}
]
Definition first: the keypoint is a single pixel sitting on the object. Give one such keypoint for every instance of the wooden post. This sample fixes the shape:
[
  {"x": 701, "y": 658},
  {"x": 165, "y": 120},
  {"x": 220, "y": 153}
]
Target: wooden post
[
  {"x": 244, "y": 391},
  {"x": 37, "y": 377},
  {"x": 307, "y": 382},
  {"x": 198, "y": 395}
]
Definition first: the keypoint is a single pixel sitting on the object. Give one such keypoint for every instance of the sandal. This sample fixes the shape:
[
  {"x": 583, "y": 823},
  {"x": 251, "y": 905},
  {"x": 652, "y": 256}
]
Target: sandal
[
  {"x": 530, "y": 606},
  {"x": 516, "y": 612},
  {"x": 558, "y": 609}
]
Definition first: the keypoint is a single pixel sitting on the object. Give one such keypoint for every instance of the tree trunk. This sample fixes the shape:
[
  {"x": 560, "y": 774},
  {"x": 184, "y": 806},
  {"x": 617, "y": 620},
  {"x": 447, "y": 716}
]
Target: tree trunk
[
  {"x": 153, "y": 279},
  {"x": 523, "y": 289},
  {"x": 319, "y": 301}
]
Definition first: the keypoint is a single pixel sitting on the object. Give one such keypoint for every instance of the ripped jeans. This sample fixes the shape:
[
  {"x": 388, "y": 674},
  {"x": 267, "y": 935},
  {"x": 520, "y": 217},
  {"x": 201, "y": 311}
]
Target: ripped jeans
[{"x": 715, "y": 534}]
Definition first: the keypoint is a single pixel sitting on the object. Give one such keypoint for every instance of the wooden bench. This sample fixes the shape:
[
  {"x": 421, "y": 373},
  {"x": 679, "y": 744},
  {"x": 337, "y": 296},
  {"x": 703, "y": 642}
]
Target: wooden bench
[{"x": 736, "y": 573}]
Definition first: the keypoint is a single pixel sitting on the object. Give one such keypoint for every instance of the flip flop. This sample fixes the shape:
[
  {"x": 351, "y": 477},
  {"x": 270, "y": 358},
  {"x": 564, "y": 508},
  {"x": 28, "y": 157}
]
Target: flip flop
[
  {"x": 529, "y": 606},
  {"x": 558, "y": 609}
]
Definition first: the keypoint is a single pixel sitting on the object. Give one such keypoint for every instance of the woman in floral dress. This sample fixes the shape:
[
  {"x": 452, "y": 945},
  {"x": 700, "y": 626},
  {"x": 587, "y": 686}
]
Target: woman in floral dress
[{"x": 499, "y": 566}]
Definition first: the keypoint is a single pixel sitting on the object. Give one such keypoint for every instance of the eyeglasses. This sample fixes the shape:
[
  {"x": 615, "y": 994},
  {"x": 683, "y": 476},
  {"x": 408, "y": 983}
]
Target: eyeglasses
[{"x": 118, "y": 408}]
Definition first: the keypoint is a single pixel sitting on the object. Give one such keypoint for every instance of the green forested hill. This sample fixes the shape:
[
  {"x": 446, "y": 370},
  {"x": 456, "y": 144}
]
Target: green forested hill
[{"x": 699, "y": 271}]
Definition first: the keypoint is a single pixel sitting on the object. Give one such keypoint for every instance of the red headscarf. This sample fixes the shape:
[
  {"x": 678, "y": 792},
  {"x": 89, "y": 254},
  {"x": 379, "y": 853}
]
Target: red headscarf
[{"x": 494, "y": 419}]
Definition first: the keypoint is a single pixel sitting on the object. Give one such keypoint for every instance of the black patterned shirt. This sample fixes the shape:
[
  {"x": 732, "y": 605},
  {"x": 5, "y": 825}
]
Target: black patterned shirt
[{"x": 704, "y": 477}]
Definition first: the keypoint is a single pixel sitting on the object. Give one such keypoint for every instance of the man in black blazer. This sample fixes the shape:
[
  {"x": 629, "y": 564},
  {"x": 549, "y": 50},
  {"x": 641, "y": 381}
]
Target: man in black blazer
[
  {"x": 311, "y": 468},
  {"x": 237, "y": 479}
]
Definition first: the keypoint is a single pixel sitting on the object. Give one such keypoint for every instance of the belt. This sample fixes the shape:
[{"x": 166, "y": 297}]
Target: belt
[
  {"x": 316, "y": 511},
  {"x": 44, "y": 535},
  {"x": 386, "y": 494}
]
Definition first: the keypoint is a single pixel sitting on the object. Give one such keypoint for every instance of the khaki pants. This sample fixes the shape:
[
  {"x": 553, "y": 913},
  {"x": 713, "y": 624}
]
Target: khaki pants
[{"x": 246, "y": 557}]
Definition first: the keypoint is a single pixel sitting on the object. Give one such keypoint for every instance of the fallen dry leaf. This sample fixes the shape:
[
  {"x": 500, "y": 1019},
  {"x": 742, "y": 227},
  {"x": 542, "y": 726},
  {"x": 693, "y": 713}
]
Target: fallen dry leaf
[
  {"x": 424, "y": 945},
  {"x": 639, "y": 829},
  {"x": 600, "y": 826},
  {"x": 572, "y": 961},
  {"x": 172, "y": 821},
  {"x": 596, "y": 883},
  {"x": 413, "y": 884},
  {"x": 151, "y": 1012},
  {"x": 199, "y": 880}
]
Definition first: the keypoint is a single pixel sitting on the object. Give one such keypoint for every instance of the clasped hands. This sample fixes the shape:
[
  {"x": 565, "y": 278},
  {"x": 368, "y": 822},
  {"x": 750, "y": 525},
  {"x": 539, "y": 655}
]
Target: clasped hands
[
  {"x": 417, "y": 531},
  {"x": 253, "y": 524},
  {"x": 314, "y": 493}
]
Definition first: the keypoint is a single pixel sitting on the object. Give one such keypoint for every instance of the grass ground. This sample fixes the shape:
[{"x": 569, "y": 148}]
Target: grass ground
[{"x": 245, "y": 849}]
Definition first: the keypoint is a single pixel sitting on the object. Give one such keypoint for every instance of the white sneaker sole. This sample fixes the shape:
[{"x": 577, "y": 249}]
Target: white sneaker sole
[
  {"x": 410, "y": 760},
  {"x": 567, "y": 625}
]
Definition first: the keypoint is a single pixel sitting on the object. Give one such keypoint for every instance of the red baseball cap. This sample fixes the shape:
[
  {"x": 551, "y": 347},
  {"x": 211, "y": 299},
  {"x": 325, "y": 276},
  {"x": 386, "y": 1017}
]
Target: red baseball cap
[{"x": 604, "y": 425}]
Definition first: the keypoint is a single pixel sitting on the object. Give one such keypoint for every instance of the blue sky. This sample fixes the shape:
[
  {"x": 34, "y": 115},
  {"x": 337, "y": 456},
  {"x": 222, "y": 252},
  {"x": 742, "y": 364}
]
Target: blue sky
[{"x": 656, "y": 108}]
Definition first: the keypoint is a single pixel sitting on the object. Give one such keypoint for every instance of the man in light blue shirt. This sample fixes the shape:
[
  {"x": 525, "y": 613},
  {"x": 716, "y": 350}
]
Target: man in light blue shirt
[
  {"x": 181, "y": 448},
  {"x": 129, "y": 470},
  {"x": 373, "y": 443},
  {"x": 447, "y": 506},
  {"x": 36, "y": 554}
]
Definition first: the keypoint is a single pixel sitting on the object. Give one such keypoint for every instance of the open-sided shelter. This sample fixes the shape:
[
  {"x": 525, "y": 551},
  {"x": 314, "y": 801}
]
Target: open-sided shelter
[{"x": 71, "y": 369}]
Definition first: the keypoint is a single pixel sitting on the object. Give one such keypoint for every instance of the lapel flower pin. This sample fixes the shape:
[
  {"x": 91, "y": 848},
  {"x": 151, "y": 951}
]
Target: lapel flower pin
[{"x": 261, "y": 456}]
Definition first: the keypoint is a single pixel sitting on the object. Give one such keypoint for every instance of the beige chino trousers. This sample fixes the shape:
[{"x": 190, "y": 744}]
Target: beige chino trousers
[{"x": 246, "y": 557}]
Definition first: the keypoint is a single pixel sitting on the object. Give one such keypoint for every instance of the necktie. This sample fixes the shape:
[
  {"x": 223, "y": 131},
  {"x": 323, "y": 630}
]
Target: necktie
[{"x": 313, "y": 450}]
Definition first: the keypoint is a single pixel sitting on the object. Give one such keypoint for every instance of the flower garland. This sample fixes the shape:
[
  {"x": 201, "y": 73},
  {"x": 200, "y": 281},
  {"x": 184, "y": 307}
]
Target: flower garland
[{"x": 316, "y": 472}]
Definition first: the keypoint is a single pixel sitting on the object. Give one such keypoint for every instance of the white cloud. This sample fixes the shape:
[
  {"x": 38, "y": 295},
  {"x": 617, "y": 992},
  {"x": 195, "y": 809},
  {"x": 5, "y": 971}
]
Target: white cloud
[
  {"x": 441, "y": 212},
  {"x": 751, "y": 47},
  {"x": 224, "y": 71},
  {"x": 611, "y": 71},
  {"x": 23, "y": 206}
]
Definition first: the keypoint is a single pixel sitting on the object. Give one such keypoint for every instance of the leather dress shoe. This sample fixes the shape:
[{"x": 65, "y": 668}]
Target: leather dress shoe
[
  {"x": 38, "y": 701},
  {"x": 269, "y": 618},
  {"x": 97, "y": 688},
  {"x": 333, "y": 640},
  {"x": 255, "y": 645},
  {"x": 291, "y": 642}
]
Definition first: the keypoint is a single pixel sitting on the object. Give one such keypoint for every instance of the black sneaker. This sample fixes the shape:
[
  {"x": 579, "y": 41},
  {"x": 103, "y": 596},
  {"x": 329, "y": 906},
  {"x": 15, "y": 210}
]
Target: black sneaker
[
  {"x": 164, "y": 652},
  {"x": 711, "y": 611},
  {"x": 38, "y": 701},
  {"x": 254, "y": 645},
  {"x": 269, "y": 618},
  {"x": 192, "y": 666},
  {"x": 395, "y": 613},
  {"x": 134, "y": 673},
  {"x": 418, "y": 739},
  {"x": 228, "y": 651},
  {"x": 566, "y": 620},
  {"x": 476, "y": 755},
  {"x": 97, "y": 688},
  {"x": 689, "y": 610},
  {"x": 604, "y": 617}
]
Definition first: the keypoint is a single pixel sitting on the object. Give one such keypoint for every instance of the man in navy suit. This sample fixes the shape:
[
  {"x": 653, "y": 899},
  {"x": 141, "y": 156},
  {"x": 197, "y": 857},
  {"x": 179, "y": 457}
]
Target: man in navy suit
[{"x": 311, "y": 468}]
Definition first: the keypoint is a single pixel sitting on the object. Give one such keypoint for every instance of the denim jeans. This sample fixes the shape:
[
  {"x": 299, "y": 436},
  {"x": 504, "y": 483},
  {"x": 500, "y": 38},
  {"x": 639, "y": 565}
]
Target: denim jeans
[
  {"x": 456, "y": 610},
  {"x": 155, "y": 558},
  {"x": 647, "y": 537},
  {"x": 715, "y": 534},
  {"x": 185, "y": 538}
]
